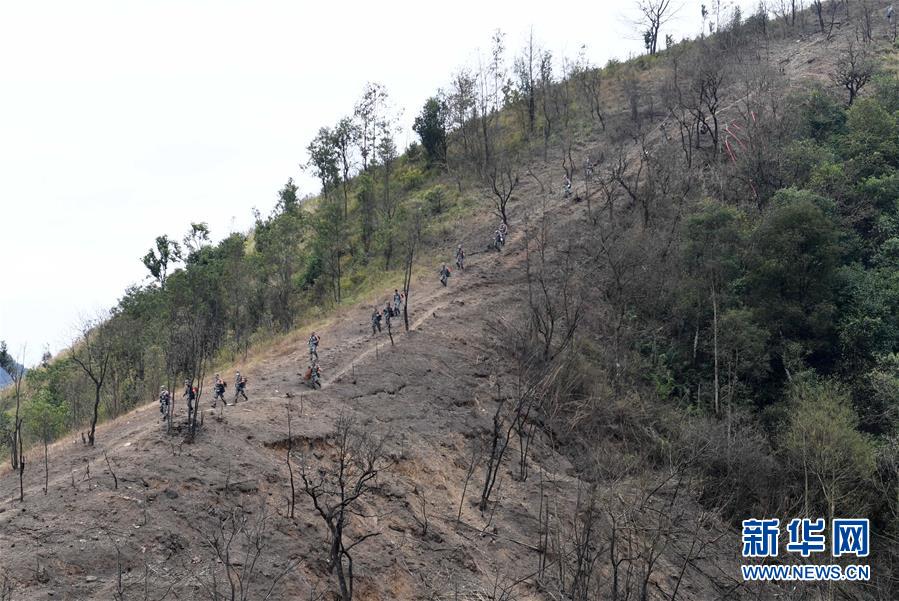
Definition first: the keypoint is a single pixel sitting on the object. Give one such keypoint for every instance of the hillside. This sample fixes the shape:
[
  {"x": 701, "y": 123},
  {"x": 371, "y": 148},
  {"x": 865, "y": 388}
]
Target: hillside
[
  {"x": 706, "y": 330},
  {"x": 429, "y": 396}
]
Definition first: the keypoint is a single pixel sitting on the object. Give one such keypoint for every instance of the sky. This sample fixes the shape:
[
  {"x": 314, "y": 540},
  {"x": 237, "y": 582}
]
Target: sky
[{"x": 127, "y": 119}]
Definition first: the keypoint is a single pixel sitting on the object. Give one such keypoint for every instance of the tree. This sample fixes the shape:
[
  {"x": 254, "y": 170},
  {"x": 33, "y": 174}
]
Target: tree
[
  {"x": 45, "y": 419},
  {"x": 277, "y": 240},
  {"x": 526, "y": 71},
  {"x": 287, "y": 197},
  {"x": 92, "y": 352},
  {"x": 503, "y": 181},
  {"x": 335, "y": 487},
  {"x": 832, "y": 459},
  {"x": 328, "y": 244},
  {"x": 7, "y": 363},
  {"x": 589, "y": 82},
  {"x": 413, "y": 238},
  {"x": 713, "y": 240},
  {"x": 18, "y": 377},
  {"x": 792, "y": 267},
  {"x": 430, "y": 125},
  {"x": 158, "y": 260},
  {"x": 461, "y": 105},
  {"x": 323, "y": 159},
  {"x": 343, "y": 135},
  {"x": 240, "y": 545},
  {"x": 546, "y": 84},
  {"x": 198, "y": 311},
  {"x": 854, "y": 69},
  {"x": 490, "y": 79},
  {"x": 655, "y": 14},
  {"x": 387, "y": 157},
  {"x": 368, "y": 114}
]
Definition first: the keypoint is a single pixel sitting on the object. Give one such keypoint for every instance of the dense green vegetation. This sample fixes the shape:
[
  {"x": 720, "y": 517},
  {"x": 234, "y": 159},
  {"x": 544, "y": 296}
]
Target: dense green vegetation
[{"x": 790, "y": 313}]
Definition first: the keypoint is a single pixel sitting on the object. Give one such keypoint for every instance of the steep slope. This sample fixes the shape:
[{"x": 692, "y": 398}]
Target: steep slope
[
  {"x": 150, "y": 533},
  {"x": 431, "y": 395}
]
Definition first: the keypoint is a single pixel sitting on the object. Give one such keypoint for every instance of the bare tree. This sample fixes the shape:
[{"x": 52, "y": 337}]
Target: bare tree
[
  {"x": 546, "y": 84},
  {"x": 18, "y": 377},
  {"x": 503, "y": 180},
  {"x": 413, "y": 238},
  {"x": 555, "y": 301},
  {"x": 92, "y": 353},
  {"x": 490, "y": 80},
  {"x": 336, "y": 486},
  {"x": 589, "y": 80},
  {"x": 832, "y": 7},
  {"x": 655, "y": 14},
  {"x": 293, "y": 491},
  {"x": 786, "y": 10},
  {"x": 526, "y": 71},
  {"x": 854, "y": 69},
  {"x": 238, "y": 541}
]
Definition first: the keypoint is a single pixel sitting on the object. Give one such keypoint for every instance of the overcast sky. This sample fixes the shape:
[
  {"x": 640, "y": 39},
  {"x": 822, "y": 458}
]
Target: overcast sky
[{"x": 123, "y": 120}]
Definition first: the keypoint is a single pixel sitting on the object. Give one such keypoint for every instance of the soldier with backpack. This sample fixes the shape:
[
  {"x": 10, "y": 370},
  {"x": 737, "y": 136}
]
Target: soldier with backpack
[
  {"x": 444, "y": 274},
  {"x": 314, "y": 339},
  {"x": 375, "y": 322},
  {"x": 240, "y": 387},
  {"x": 218, "y": 390},
  {"x": 165, "y": 399},
  {"x": 498, "y": 240},
  {"x": 316, "y": 376},
  {"x": 313, "y": 376}
]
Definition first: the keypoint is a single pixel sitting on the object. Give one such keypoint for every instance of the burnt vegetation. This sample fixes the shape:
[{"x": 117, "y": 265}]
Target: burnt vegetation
[{"x": 707, "y": 327}]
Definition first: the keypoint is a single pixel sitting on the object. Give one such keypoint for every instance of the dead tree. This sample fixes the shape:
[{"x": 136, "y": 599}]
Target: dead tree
[
  {"x": 854, "y": 69},
  {"x": 92, "y": 353},
  {"x": 293, "y": 491},
  {"x": 655, "y": 13},
  {"x": 499, "y": 441},
  {"x": 237, "y": 542},
  {"x": 589, "y": 79},
  {"x": 570, "y": 546},
  {"x": 413, "y": 238},
  {"x": 501, "y": 435},
  {"x": 18, "y": 451},
  {"x": 503, "y": 180},
  {"x": 555, "y": 302},
  {"x": 337, "y": 485}
]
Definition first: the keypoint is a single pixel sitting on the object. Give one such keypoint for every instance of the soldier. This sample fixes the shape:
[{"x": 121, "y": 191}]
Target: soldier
[
  {"x": 165, "y": 398},
  {"x": 218, "y": 391},
  {"x": 240, "y": 387},
  {"x": 314, "y": 339},
  {"x": 375, "y": 322}
]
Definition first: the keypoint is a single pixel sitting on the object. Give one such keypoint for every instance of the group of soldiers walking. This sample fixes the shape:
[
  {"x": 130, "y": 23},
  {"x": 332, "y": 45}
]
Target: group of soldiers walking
[
  {"x": 191, "y": 393},
  {"x": 391, "y": 310},
  {"x": 313, "y": 373}
]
